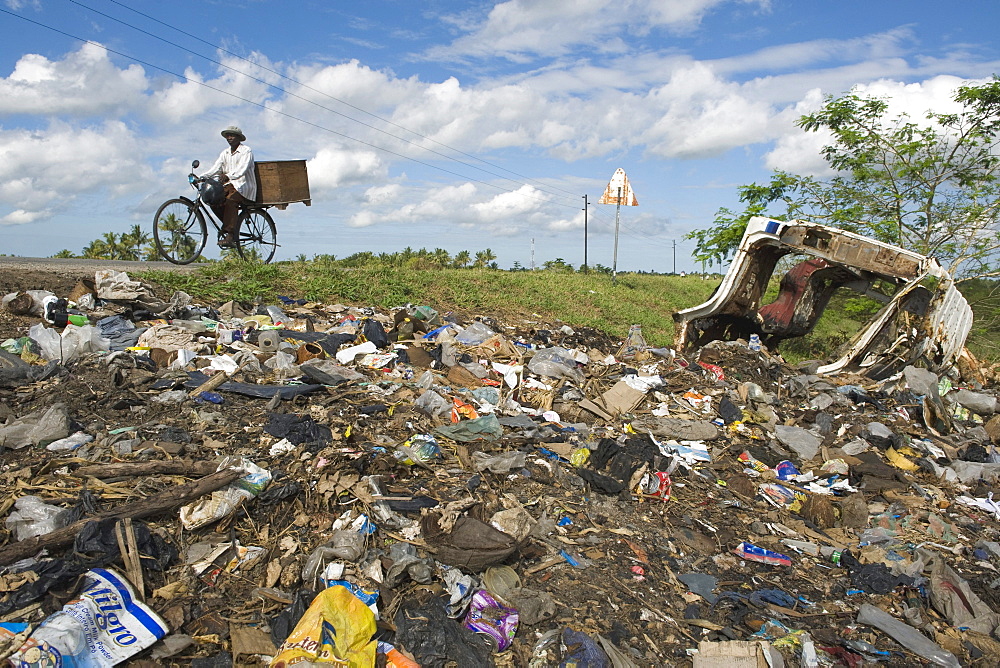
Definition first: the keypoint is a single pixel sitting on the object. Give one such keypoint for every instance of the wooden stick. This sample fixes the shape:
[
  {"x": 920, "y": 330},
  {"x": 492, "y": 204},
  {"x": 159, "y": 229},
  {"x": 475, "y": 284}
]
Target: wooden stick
[
  {"x": 166, "y": 500},
  {"x": 215, "y": 381},
  {"x": 164, "y": 467},
  {"x": 130, "y": 556}
]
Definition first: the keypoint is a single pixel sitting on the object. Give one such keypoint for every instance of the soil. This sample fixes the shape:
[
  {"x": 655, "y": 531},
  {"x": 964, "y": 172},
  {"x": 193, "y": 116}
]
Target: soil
[{"x": 630, "y": 551}]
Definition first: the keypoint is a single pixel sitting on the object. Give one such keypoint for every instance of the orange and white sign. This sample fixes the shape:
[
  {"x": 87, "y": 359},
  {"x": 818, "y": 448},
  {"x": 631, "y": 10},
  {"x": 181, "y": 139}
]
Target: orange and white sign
[{"x": 619, "y": 184}]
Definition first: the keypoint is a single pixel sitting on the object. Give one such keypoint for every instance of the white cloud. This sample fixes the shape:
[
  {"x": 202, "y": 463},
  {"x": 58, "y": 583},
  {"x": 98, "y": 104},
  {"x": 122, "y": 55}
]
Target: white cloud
[
  {"x": 42, "y": 172},
  {"x": 238, "y": 81},
  {"x": 509, "y": 205},
  {"x": 800, "y": 152},
  {"x": 470, "y": 208},
  {"x": 798, "y": 55},
  {"x": 20, "y": 4},
  {"x": 20, "y": 217},
  {"x": 84, "y": 82},
  {"x": 383, "y": 194},
  {"x": 335, "y": 167},
  {"x": 516, "y": 29}
]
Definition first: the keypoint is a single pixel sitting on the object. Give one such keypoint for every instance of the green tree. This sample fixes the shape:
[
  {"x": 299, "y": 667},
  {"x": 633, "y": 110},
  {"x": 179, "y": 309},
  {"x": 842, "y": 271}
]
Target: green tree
[
  {"x": 461, "y": 259},
  {"x": 931, "y": 186},
  {"x": 557, "y": 264},
  {"x": 174, "y": 237},
  {"x": 441, "y": 257},
  {"x": 484, "y": 258},
  {"x": 134, "y": 244},
  {"x": 95, "y": 250},
  {"x": 64, "y": 253}
]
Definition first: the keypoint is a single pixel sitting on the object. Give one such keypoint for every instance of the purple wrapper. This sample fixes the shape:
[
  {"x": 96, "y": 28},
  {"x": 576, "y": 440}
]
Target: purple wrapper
[{"x": 496, "y": 621}]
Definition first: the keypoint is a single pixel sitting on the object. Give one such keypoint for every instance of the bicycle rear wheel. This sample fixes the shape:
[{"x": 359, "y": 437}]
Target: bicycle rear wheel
[
  {"x": 258, "y": 237},
  {"x": 179, "y": 231}
]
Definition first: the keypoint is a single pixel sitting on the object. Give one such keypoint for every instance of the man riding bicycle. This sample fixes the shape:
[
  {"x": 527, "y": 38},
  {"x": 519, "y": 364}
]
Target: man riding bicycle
[{"x": 235, "y": 171}]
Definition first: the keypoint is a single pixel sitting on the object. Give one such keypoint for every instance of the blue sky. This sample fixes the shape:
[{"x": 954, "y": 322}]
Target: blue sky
[{"x": 459, "y": 125}]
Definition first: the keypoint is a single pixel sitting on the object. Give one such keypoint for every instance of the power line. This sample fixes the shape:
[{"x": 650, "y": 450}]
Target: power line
[
  {"x": 277, "y": 111},
  {"x": 323, "y": 93},
  {"x": 636, "y": 234}
]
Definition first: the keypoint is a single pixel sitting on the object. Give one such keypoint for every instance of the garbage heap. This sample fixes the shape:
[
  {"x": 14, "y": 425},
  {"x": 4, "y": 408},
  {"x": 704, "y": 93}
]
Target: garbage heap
[{"x": 213, "y": 485}]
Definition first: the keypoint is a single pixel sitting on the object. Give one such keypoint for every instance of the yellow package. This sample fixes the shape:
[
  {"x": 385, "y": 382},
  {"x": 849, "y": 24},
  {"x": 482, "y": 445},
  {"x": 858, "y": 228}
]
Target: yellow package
[{"x": 337, "y": 630}]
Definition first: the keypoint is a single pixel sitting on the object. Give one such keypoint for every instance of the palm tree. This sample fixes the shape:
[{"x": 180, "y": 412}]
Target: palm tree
[
  {"x": 174, "y": 237},
  {"x": 462, "y": 259},
  {"x": 441, "y": 257},
  {"x": 95, "y": 250},
  {"x": 64, "y": 253},
  {"x": 132, "y": 243},
  {"x": 484, "y": 257}
]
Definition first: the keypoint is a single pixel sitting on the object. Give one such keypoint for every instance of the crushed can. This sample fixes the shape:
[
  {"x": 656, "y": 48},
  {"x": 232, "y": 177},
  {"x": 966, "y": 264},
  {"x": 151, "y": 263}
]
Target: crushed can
[{"x": 656, "y": 484}]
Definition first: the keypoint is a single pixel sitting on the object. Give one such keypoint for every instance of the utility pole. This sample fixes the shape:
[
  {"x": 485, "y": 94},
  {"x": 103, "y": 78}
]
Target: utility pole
[
  {"x": 532, "y": 253},
  {"x": 585, "y": 266},
  {"x": 614, "y": 263},
  {"x": 619, "y": 182},
  {"x": 675, "y": 256}
]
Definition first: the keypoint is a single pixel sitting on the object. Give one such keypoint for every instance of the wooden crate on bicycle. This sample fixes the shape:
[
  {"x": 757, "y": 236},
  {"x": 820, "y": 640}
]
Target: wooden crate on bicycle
[{"x": 282, "y": 182}]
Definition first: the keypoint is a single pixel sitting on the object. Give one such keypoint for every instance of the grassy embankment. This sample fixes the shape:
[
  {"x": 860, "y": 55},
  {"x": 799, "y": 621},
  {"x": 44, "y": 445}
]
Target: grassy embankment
[{"x": 578, "y": 299}]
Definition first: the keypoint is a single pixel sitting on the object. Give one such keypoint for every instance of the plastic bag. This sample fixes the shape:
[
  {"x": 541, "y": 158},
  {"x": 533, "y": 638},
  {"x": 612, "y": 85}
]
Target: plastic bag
[
  {"x": 336, "y": 629},
  {"x": 906, "y": 635},
  {"x": 556, "y": 363},
  {"x": 500, "y": 463},
  {"x": 48, "y": 340},
  {"x": 74, "y": 342},
  {"x": 474, "y": 334},
  {"x": 33, "y": 517},
  {"x": 420, "y": 449},
  {"x": 224, "y": 500},
  {"x": 433, "y": 404},
  {"x": 38, "y": 428},
  {"x": 103, "y": 627},
  {"x": 283, "y": 365},
  {"x": 344, "y": 545}
]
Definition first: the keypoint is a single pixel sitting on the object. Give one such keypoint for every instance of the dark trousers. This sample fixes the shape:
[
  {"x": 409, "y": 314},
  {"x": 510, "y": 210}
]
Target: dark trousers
[{"x": 229, "y": 210}]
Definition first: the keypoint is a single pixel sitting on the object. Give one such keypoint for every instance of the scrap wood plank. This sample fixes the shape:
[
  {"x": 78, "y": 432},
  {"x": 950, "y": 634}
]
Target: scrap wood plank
[
  {"x": 165, "y": 500},
  {"x": 162, "y": 467}
]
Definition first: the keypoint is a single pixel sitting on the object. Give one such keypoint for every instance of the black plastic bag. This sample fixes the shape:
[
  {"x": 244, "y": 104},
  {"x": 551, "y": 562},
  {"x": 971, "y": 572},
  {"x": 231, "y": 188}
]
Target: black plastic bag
[
  {"x": 433, "y": 639},
  {"x": 284, "y": 623}
]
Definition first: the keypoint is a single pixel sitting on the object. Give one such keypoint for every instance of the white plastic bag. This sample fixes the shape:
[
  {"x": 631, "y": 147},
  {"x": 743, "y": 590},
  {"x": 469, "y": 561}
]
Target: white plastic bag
[
  {"x": 33, "y": 517},
  {"x": 74, "y": 342},
  {"x": 39, "y": 428}
]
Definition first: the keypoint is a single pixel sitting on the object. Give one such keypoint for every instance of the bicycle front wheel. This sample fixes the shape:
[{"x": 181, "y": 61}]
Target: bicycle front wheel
[
  {"x": 179, "y": 231},
  {"x": 258, "y": 237}
]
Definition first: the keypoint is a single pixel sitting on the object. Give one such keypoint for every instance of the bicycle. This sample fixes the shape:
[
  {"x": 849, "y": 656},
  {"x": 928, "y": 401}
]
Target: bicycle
[{"x": 180, "y": 231}]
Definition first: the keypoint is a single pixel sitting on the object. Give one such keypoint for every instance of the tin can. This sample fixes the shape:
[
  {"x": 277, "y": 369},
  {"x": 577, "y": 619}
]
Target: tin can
[{"x": 835, "y": 557}]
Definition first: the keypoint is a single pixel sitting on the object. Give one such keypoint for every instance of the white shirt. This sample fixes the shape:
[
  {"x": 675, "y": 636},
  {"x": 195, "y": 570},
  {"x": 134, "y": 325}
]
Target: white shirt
[{"x": 238, "y": 167}]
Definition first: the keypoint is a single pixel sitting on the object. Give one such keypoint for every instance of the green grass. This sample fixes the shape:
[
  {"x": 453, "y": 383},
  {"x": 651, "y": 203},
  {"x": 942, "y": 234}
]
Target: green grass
[
  {"x": 588, "y": 300},
  {"x": 580, "y": 300}
]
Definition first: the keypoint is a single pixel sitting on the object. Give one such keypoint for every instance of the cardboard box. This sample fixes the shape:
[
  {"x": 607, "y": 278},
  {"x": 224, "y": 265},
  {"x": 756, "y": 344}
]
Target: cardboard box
[{"x": 282, "y": 182}]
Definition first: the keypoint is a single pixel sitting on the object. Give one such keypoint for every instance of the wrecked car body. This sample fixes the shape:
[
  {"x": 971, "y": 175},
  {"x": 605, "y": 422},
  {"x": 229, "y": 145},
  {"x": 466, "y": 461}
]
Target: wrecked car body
[{"x": 924, "y": 318}]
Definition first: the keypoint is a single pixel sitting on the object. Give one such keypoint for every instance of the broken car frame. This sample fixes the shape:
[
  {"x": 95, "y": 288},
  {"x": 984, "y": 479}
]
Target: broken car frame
[{"x": 924, "y": 317}]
